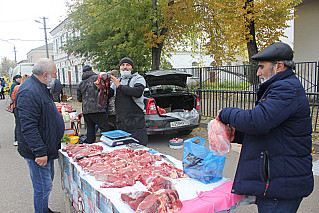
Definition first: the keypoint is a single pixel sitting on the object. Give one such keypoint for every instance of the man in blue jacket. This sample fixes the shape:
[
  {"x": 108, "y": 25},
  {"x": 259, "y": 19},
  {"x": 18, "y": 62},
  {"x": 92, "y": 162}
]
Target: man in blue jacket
[
  {"x": 40, "y": 129},
  {"x": 275, "y": 163}
]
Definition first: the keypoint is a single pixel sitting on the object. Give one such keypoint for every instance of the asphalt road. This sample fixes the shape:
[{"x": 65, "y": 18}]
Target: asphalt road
[{"x": 16, "y": 192}]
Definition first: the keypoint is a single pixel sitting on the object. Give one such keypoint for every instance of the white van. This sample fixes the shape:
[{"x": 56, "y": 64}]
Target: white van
[{"x": 22, "y": 69}]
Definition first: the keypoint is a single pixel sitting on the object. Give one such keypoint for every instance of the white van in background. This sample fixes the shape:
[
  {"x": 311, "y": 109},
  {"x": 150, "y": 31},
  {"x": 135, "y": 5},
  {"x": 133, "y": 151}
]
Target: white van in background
[{"x": 22, "y": 69}]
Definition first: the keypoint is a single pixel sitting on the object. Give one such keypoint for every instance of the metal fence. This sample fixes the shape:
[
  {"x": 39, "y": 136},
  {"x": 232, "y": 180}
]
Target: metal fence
[{"x": 229, "y": 86}]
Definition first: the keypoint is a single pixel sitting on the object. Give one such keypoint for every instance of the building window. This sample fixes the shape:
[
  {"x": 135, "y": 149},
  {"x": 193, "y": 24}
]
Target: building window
[
  {"x": 76, "y": 73},
  {"x": 194, "y": 64},
  {"x": 63, "y": 76},
  {"x": 56, "y": 46}
]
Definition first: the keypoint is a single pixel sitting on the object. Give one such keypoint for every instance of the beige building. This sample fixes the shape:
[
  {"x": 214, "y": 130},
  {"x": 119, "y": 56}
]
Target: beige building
[
  {"x": 306, "y": 32},
  {"x": 69, "y": 67},
  {"x": 39, "y": 52}
]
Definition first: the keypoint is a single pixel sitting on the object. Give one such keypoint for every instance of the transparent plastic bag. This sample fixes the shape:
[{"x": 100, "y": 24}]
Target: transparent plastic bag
[
  {"x": 191, "y": 116},
  {"x": 219, "y": 137}
]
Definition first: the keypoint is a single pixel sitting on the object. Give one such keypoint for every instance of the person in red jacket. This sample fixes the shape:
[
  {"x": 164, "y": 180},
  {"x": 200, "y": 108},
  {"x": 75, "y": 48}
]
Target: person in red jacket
[{"x": 13, "y": 98}]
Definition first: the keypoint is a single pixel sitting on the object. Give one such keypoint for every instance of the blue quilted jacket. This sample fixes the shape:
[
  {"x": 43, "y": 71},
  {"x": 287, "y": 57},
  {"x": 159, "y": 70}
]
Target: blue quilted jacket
[
  {"x": 40, "y": 125},
  {"x": 275, "y": 159}
]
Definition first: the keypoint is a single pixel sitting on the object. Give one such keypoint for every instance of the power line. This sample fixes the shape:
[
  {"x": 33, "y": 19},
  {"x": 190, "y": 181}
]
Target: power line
[{"x": 17, "y": 39}]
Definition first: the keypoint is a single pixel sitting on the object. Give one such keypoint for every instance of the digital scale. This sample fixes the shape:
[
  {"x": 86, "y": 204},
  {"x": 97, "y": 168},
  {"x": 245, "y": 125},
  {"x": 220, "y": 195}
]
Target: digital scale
[{"x": 116, "y": 138}]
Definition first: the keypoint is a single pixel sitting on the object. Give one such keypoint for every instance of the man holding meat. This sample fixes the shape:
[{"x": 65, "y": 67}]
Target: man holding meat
[
  {"x": 275, "y": 163},
  {"x": 129, "y": 101}
]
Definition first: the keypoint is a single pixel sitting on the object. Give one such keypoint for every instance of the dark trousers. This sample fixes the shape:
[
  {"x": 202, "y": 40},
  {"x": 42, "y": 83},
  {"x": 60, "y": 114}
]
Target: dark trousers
[
  {"x": 15, "y": 125},
  {"x": 278, "y": 206},
  {"x": 2, "y": 96},
  {"x": 93, "y": 119}
]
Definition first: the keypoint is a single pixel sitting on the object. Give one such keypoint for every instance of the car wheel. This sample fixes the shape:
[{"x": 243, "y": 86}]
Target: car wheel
[{"x": 185, "y": 132}]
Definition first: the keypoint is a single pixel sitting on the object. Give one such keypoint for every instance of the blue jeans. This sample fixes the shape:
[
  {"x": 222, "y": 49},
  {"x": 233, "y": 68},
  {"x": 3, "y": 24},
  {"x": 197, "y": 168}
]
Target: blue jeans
[
  {"x": 42, "y": 177},
  {"x": 278, "y": 206}
]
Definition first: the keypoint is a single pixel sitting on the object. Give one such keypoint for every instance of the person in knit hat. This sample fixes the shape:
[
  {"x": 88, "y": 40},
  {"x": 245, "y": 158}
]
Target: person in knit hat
[
  {"x": 129, "y": 101},
  {"x": 93, "y": 114}
]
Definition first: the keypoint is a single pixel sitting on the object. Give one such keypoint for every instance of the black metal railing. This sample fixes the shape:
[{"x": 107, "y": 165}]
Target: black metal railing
[
  {"x": 229, "y": 86},
  {"x": 232, "y": 86}
]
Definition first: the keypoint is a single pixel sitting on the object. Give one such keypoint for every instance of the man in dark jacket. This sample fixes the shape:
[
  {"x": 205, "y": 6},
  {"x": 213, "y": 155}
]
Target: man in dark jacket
[
  {"x": 275, "y": 163},
  {"x": 129, "y": 101},
  {"x": 40, "y": 129},
  {"x": 87, "y": 93},
  {"x": 56, "y": 90}
]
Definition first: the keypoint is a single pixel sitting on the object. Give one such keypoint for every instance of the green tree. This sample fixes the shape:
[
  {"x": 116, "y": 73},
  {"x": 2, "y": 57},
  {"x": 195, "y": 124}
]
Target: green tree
[
  {"x": 226, "y": 29},
  {"x": 108, "y": 32},
  {"x": 6, "y": 64},
  {"x": 145, "y": 29}
]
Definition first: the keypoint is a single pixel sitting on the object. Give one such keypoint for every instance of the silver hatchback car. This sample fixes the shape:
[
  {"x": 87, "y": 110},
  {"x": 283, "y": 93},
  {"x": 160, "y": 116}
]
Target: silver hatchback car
[{"x": 169, "y": 105}]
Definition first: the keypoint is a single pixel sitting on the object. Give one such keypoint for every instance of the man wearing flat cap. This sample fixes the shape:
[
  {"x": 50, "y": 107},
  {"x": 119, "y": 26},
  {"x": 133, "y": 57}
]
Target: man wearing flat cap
[
  {"x": 93, "y": 114},
  {"x": 275, "y": 163},
  {"x": 129, "y": 101}
]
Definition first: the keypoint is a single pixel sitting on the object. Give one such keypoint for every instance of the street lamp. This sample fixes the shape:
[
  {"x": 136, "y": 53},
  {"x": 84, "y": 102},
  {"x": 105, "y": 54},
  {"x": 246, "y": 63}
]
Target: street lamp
[
  {"x": 14, "y": 49},
  {"x": 45, "y": 35}
]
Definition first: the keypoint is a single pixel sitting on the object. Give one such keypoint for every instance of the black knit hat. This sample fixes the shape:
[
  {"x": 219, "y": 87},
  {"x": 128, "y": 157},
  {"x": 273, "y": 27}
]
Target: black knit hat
[
  {"x": 17, "y": 76},
  {"x": 86, "y": 68},
  {"x": 275, "y": 52},
  {"x": 127, "y": 60}
]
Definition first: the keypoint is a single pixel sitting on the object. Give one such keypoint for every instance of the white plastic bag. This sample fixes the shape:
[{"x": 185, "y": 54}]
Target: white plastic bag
[{"x": 219, "y": 137}]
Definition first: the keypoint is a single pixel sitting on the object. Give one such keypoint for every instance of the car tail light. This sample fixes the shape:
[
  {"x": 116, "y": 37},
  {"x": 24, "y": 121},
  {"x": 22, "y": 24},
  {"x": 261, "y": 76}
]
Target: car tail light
[
  {"x": 151, "y": 107},
  {"x": 197, "y": 103}
]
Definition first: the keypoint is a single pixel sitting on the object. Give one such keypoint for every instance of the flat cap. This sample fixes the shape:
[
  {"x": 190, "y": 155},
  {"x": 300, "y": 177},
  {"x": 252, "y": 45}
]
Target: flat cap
[
  {"x": 86, "y": 68},
  {"x": 275, "y": 52}
]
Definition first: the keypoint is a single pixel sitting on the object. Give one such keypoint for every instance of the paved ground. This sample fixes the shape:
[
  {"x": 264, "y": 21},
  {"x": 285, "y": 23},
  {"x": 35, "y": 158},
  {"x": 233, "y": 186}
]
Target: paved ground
[{"x": 16, "y": 187}]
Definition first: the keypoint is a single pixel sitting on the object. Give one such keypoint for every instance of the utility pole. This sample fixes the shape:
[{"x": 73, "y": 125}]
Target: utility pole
[
  {"x": 45, "y": 35},
  {"x": 15, "y": 54}
]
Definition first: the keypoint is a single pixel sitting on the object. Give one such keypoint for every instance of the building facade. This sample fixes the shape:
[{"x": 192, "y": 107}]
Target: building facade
[
  {"x": 39, "y": 52},
  {"x": 69, "y": 67},
  {"x": 306, "y": 32}
]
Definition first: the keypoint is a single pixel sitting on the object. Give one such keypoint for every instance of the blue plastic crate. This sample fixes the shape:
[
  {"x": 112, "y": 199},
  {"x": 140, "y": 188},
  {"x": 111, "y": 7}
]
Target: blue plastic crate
[{"x": 116, "y": 134}]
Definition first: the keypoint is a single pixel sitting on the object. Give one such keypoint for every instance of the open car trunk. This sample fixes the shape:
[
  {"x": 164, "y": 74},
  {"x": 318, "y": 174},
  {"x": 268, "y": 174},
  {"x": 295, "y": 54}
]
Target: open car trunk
[
  {"x": 175, "y": 102},
  {"x": 169, "y": 105}
]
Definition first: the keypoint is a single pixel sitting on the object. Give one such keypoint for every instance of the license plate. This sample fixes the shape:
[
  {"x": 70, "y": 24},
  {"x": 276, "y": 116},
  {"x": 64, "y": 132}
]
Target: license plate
[{"x": 179, "y": 123}]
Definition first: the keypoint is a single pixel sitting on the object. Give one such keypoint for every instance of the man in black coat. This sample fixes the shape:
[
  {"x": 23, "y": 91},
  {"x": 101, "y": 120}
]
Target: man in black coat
[
  {"x": 275, "y": 163},
  {"x": 87, "y": 93},
  {"x": 40, "y": 129}
]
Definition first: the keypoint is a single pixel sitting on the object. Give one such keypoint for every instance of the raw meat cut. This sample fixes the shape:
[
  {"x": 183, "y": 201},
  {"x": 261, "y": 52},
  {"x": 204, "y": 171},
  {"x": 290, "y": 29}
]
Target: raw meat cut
[
  {"x": 219, "y": 137},
  {"x": 104, "y": 81},
  {"x": 134, "y": 198},
  {"x": 161, "y": 201},
  {"x": 159, "y": 182}
]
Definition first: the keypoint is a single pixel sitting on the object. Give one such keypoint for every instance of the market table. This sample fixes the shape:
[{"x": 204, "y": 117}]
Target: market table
[{"x": 84, "y": 193}]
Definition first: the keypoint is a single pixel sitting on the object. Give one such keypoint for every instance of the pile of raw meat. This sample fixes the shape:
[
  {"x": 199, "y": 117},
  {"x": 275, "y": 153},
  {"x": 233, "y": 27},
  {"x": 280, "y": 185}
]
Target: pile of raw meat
[
  {"x": 161, "y": 197},
  {"x": 123, "y": 167}
]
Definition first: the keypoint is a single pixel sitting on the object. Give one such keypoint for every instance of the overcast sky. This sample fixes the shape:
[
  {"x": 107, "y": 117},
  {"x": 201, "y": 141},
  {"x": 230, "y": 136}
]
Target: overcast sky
[{"x": 18, "y": 28}]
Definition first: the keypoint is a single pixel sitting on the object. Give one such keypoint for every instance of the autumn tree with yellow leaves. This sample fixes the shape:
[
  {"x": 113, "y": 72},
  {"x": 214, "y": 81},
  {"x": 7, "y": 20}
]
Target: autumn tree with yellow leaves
[{"x": 142, "y": 29}]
